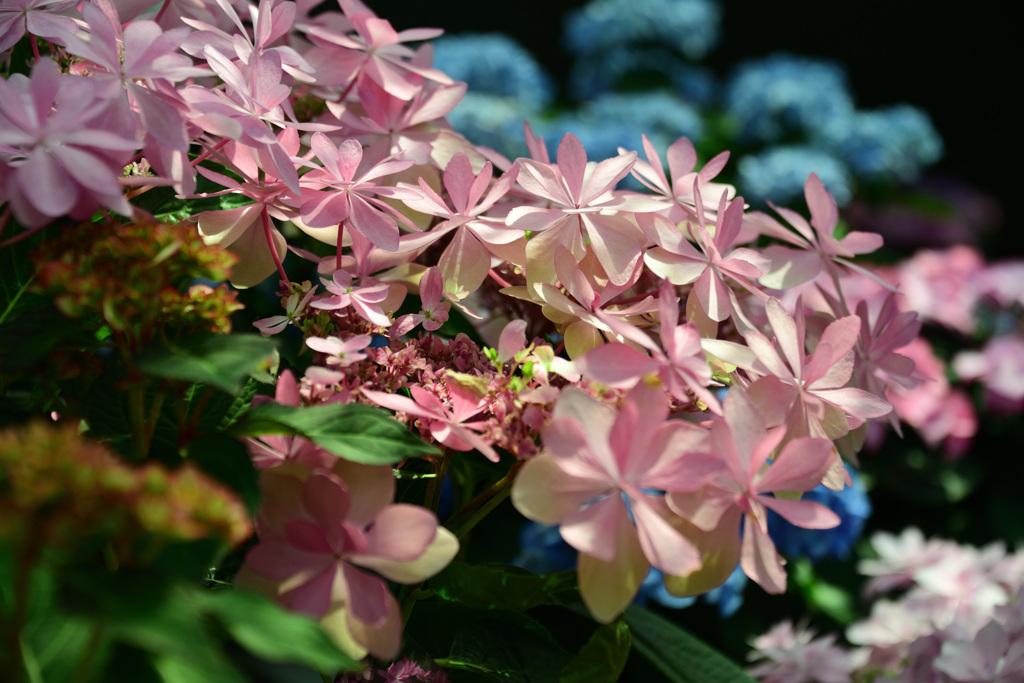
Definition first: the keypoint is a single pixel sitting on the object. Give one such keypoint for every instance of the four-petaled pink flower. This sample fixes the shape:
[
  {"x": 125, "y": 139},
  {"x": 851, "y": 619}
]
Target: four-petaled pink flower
[
  {"x": 600, "y": 478},
  {"x": 365, "y": 300},
  {"x": 334, "y": 195},
  {"x": 341, "y": 353},
  {"x": 679, "y": 362},
  {"x": 447, "y": 425},
  {"x": 327, "y": 541},
  {"x": 743, "y": 491},
  {"x": 433, "y": 310}
]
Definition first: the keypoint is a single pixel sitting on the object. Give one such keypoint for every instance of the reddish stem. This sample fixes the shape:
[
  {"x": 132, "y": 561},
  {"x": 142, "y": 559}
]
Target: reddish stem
[
  {"x": 206, "y": 155},
  {"x": 35, "y": 46},
  {"x": 163, "y": 8},
  {"x": 497, "y": 278},
  {"x": 21, "y": 236},
  {"x": 267, "y": 231}
]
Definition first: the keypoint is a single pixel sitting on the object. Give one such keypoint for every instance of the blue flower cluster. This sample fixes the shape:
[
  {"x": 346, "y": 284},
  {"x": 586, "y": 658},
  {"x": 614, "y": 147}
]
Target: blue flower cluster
[
  {"x": 727, "y": 598},
  {"x": 690, "y": 27},
  {"x": 785, "y": 96},
  {"x": 892, "y": 144},
  {"x": 852, "y": 506},
  {"x": 491, "y": 121},
  {"x": 779, "y": 173},
  {"x": 618, "y": 119},
  {"x": 495, "y": 64},
  {"x": 595, "y": 75}
]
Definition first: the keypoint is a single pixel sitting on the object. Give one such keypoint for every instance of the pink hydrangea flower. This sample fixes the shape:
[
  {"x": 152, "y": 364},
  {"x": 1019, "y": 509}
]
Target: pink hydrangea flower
[
  {"x": 61, "y": 151},
  {"x": 594, "y": 479},
  {"x": 328, "y": 539}
]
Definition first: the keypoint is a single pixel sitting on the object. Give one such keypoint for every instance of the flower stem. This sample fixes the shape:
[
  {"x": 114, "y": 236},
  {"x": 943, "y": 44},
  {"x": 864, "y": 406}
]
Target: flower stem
[{"x": 267, "y": 231}]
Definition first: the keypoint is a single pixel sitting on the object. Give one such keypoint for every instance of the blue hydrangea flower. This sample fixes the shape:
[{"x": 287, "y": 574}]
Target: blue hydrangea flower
[
  {"x": 542, "y": 550},
  {"x": 852, "y": 506},
  {"x": 727, "y": 598},
  {"x": 784, "y": 96},
  {"x": 614, "y": 120},
  {"x": 689, "y": 27},
  {"x": 779, "y": 174},
  {"x": 493, "y": 63},
  {"x": 889, "y": 144},
  {"x": 604, "y": 72},
  {"x": 491, "y": 121}
]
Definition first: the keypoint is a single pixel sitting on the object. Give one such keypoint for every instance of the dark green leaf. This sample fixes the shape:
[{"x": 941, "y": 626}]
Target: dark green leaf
[
  {"x": 272, "y": 633},
  {"x": 677, "y": 654},
  {"x": 220, "y": 360},
  {"x": 351, "y": 431},
  {"x": 505, "y": 646},
  {"x": 602, "y": 658},
  {"x": 226, "y": 460},
  {"x": 509, "y": 588}
]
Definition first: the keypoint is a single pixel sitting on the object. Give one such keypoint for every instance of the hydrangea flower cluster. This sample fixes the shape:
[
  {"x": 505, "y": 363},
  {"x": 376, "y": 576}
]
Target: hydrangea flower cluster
[
  {"x": 599, "y": 408},
  {"x": 957, "y": 620}
]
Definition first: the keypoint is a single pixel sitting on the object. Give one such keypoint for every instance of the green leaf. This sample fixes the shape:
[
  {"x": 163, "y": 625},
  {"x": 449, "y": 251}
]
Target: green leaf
[
  {"x": 677, "y": 654},
  {"x": 274, "y": 634},
  {"x": 351, "y": 431},
  {"x": 507, "y": 588},
  {"x": 603, "y": 657},
  {"x": 226, "y": 460},
  {"x": 510, "y": 647},
  {"x": 220, "y": 360}
]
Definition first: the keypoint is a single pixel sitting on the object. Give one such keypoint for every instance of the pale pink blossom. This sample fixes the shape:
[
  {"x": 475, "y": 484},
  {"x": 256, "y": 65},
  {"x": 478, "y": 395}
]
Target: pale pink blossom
[
  {"x": 433, "y": 309},
  {"x": 742, "y": 493},
  {"x": 446, "y": 424},
  {"x": 593, "y": 479},
  {"x": 273, "y": 450},
  {"x": 817, "y": 249},
  {"x": 942, "y": 286},
  {"x": 792, "y": 655},
  {"x": 679, "y": 363},
  {"x": 708, "y": 269},
  {"x": 364, "y": 300},
  {"x": 40, "y": 18},
  {"x": 999, "y": 366},
  {"x": 329, "y": 538},
  {"x": 342, "y": 353},
  {"x": 61, "y": 150},
  {"x": 580, "y": 208}
]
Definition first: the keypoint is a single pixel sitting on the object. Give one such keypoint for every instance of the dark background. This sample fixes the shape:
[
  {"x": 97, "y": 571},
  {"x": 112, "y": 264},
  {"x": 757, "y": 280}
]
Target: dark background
[{"x": 959, "y": 62}]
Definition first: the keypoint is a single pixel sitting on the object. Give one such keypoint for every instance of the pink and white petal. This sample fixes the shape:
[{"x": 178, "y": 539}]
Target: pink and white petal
[
  {"x": 616, "y": 243},
  {"x": 465, "y": 262},
  {"x": 704, "y": 508},
  {"x": 605, "y": 176},
  {"x": 593, "y": 529},
  {"x": 401, "y": 532},
  {"x": 326, "y": 499},
  {"x": 760, "y": 560},
  {"x": 402, "y": 404},
  {"x": 48, "y": 187},
  {"x": 616, "y": 365},
  {"x": 802, "y": 513},
  {"x": 824, "y": 213},
  {"x": 371, "y": 489},
  {"x": 790, "y": 267},
  {"x": 799, "y": 467},
  {"x": 438, "y": 554},
  {"x": 313, "y": 597},
  {"x": 662, "y": 544},
  {"x": 384, "y": 641},
  {"x": 255, "y": 261},
  {"x": 277, "y": 559},
  {"x": 855, "y": 402},
  {"x": 607, "y": 588},
  {"x": 365, "y": 595},
  {"x": 374, "y": 225},
  {"x": 546, "y": 494},
  {"x": 224, "y": 226},
  {"x": 719, "y": 552},
  {"x": 862, "y": 242}
]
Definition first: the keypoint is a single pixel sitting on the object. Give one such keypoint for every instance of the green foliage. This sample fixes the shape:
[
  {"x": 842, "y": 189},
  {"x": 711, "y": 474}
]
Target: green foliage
[
  {"x": 503, "y": 588},
  {"x": 226, "y": 460},
  {"x": 352, "y": 431},
  {"x": 602, "y": 658},
  {"x": 220, "y": 360},
  {"x": 507, "y": 646},
  {"x": 681, "y": 657}
]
